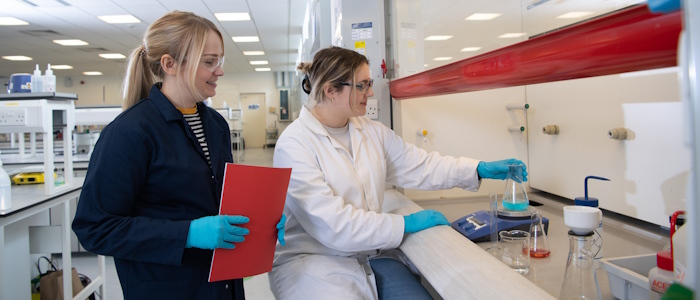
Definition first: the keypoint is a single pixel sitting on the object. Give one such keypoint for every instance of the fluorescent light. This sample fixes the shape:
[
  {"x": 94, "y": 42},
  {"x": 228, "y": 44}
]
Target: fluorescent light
[
  {"x": 511, "y": 35},
  {"x": 70, "y": 42},
  {"x": 442, "y": 58},
  {"x": 438, "y": 37},
  {"x": 245, "y": 39},
  {"x": 470, "y": 49},
  {"x": 425, "y": 65},
  {"x": 262, "y": 69},
  {"x": 10, "y": 21},
  {"x": 253, "y": 52},
  {"x": 92, "y": 73},
  {"x": 119, "y": 19},
  {"x": 112, "y": 55},
  {"x": 61, "y": 67},
  {"x": 482, "y": 17},
  {"x": 17, "y": 57},
  {"x": 574, "y": 15},
  {"x": 258, "y": 62},
  {"x": 232, "y": 16}
]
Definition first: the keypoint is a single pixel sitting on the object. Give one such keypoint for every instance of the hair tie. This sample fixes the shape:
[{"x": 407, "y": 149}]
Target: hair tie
[{"x": 304, "y": 83}]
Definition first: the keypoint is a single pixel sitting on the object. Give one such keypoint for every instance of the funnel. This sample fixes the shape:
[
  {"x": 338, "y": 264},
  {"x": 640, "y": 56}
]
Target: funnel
[{"x": 582, "y": 220}]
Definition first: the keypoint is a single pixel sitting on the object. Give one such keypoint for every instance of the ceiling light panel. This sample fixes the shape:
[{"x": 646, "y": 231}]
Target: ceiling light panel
[
  {"x": 511, "y": 35},
  {"x": 262, "y": 69},
  {"x": 10, "y": 21},
  {"x": 112, "y": 55},
  {"x": 575, "y": 15},
  {"x": 253, "y": 52},
  {"x": 258, "y": 62},
  {"x": 70, "y": 42},
  {"x": 119, "y": 19},
  {"x": 92, "y": 73},
  {"x": 442, "y": 58},
  {"x": 438, "y": 38},
  {"x": 470, "y": 49},
  {"x": 482, "y": 17},
  {"x": 245, "y": 39},
  {"x": 17, "y": 58},
  {"x": 61, "y": 67},
  {"x": 239, "y": 16}
]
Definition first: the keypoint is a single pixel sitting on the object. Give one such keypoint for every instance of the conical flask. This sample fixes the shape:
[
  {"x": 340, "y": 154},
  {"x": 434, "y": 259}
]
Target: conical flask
[
  {"x": 539, "y": 247},
  {"x": 515, "y": 197},
  {"x": 579, "y": 278}
]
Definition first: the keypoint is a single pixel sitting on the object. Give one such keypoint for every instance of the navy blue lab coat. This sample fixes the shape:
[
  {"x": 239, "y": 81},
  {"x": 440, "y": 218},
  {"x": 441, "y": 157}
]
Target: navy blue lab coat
[{"x": 147, "y": 180}]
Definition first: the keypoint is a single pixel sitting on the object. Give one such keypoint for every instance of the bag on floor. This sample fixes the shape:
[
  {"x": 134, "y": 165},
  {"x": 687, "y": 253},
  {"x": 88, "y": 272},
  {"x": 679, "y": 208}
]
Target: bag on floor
[{"x": 51, "y": 283}]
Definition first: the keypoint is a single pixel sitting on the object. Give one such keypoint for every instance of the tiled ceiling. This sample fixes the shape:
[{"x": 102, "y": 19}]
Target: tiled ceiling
[{"x": 278, "y": 23}]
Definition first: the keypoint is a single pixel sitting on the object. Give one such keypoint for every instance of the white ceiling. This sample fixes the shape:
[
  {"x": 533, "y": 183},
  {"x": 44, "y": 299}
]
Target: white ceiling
[{"x": 278, "y": 23}]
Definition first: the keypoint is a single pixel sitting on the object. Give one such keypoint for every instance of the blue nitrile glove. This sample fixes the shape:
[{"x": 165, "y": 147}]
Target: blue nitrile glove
[
  {"x": 423, "y": 220},
  {"x": 280, "y": 229},
  {"x": 663, "y": 6},
  {"x": 499, "y": 169},
  {"x": 216, "y": 232}
]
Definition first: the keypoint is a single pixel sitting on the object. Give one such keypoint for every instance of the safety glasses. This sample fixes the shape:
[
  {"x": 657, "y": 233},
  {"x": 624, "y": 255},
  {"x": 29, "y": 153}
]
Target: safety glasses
[
  {"x": 363, "y": 86},
  {"x": 211, "y": 63}
]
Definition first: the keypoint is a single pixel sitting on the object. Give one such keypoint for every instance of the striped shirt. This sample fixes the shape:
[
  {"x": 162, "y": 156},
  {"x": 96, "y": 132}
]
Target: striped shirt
[{"x": 192, "y": 117}]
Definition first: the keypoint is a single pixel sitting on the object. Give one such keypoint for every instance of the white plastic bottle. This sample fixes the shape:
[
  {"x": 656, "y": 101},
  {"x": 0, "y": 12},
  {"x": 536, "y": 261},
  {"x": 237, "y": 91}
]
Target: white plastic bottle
[
  {"x": 680, "y": 256},
  {"x": 49, "y": 80},
  {"x": 5, "y": 193},
  {"x": 661, "y": 276},
  {"x": 37, "y": 81}
]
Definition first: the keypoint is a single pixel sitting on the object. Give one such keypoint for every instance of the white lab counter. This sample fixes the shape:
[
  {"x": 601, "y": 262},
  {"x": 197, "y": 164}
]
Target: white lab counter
[
  {"x": 460, "y": 269},
  {"x": 15, "y": 264}
]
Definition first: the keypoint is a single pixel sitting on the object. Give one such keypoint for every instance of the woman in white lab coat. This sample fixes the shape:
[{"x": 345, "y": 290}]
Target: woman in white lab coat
[{"x": 336, "y": 232}]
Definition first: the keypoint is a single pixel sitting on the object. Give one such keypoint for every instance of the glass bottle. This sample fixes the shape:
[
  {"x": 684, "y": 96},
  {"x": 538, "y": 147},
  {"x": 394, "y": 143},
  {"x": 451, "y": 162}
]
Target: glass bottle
[
  {"x": 515, "y": 197},
  {"x": 579, "y": 278},
  {"x": 539, "y": 247}
]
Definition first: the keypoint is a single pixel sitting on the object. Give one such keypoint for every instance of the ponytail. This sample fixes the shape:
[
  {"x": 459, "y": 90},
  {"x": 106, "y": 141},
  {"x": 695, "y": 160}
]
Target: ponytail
[{"x": 138, "y": 79}]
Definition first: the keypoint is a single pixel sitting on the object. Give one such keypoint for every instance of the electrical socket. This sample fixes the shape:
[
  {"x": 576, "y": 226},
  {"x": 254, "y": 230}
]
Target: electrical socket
[
  {"x": 372, "y": 109},
  {"x": 13, "y": 117}
]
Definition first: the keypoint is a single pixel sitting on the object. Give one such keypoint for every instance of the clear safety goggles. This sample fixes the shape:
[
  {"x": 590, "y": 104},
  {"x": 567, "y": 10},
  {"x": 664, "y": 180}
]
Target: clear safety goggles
[
  {"x": 363, "y": 86},
  {"x": 211, "y": 63}
]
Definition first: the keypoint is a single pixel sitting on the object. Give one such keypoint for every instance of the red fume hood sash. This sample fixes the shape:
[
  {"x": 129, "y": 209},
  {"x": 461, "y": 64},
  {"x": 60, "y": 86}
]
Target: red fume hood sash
[{"x": 629, "y": 40}]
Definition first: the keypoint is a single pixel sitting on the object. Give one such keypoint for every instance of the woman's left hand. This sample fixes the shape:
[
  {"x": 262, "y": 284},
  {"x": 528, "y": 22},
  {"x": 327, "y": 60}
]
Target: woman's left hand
[{"x": 280, "y": 229}]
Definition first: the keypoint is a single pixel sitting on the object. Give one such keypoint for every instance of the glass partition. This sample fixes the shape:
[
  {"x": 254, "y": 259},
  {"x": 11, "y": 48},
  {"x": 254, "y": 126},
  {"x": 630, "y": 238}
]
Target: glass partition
[{"x": 431, "y": 33}]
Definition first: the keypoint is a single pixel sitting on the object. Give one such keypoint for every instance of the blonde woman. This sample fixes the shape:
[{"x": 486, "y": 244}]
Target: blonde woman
[
  {"x": 151, "y": 195},
  {"x": 338, "y": 237}
]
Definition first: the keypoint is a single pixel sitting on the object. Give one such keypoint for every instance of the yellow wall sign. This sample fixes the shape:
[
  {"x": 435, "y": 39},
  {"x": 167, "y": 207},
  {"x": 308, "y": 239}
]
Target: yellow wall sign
[{"x": 360, "y": 47}]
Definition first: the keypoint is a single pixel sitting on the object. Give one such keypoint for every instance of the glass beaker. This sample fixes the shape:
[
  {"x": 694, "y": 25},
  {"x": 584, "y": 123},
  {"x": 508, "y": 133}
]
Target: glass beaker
[
  {"x": 515, "y": 197},
  {"x": 539, "y": 247},
  {"x": 494, "y": 249},
  {"x": 579, "y": 278},
  {"x": 515, "y": 246}
]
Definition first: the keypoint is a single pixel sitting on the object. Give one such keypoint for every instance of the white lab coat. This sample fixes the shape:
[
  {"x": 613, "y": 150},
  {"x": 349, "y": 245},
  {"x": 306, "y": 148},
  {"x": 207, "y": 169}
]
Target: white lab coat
[{"x": 334, "y": 204}]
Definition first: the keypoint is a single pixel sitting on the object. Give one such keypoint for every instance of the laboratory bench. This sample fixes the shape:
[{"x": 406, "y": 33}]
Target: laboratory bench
[
  {"x": 458, "y": 268},
  {"x": 21, "y": 235}
]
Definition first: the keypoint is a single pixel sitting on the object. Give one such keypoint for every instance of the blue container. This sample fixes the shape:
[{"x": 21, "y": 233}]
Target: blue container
[{"x": 19, "y": 83}]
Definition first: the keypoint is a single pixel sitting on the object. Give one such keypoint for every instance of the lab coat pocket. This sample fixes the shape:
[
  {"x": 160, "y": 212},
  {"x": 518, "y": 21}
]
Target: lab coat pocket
[{"x": 326, "y": 267}]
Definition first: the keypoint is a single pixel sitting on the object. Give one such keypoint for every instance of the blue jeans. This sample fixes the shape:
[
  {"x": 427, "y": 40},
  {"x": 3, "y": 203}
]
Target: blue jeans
[{"x": 395, "y": 280}]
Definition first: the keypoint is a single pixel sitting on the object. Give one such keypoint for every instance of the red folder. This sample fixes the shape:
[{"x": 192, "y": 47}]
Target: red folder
[{"x": 257, "y": 193}]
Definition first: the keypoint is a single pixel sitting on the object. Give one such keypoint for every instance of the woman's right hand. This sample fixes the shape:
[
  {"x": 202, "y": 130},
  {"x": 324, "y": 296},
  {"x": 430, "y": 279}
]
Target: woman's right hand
[{"x": 216, "y": 232}]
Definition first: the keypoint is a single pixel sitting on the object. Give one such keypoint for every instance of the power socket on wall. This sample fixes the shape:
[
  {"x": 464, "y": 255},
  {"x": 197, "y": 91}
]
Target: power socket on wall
[{"x": 372, "y": 109}]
